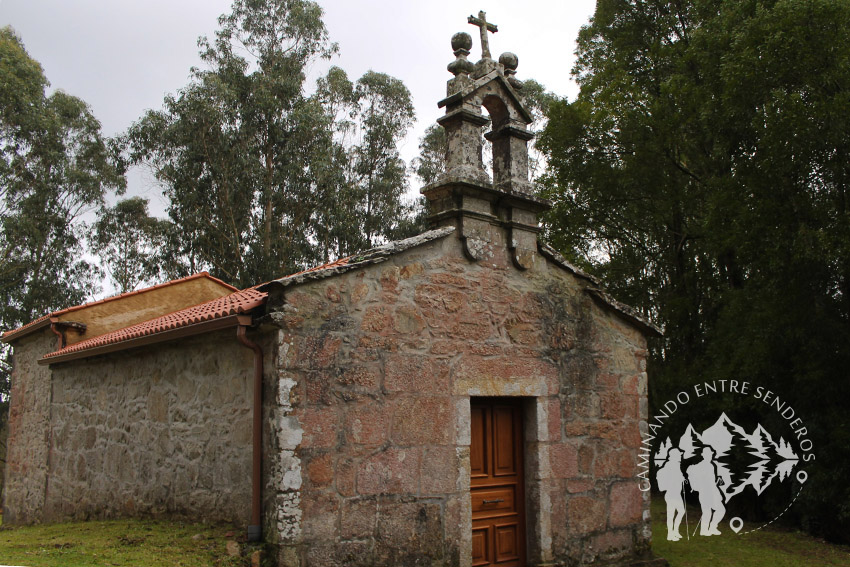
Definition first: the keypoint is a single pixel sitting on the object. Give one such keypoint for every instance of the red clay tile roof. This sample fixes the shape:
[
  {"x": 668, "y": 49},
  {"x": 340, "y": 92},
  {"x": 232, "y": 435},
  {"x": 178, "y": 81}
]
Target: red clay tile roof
[
  {"x": 41, "y": 321},
  {"x": 234, "y": 304},
  {"x": 25, "y": 329},
  {"x": 237, "y": 303}
]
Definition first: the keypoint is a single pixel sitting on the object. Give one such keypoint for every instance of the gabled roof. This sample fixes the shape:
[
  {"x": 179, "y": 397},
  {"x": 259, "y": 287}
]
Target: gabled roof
[
  {"x": 483, "y": 80},
  {"x": 226, "y": 311},
  {"x": 362, "y": 259},
  {"x": 211, "y": 315},
  {"x": 383, "y": 253},
  {"x": 235, "y": 308},
  {"x": 44, "y": 321}
]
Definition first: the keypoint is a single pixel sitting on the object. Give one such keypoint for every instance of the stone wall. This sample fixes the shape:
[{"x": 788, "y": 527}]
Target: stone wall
[
  {"x": 375, "y": 370},
  {"x": 29, "y": 429},
  {"x": 158, "y": 430}
]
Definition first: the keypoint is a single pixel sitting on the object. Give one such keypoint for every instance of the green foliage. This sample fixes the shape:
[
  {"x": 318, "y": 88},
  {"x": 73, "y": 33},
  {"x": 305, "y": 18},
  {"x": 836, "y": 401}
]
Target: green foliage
[
  {"x": 385, "y": 113},
  {"x": 430, "y": 164},
  {"x": 129, "y": 242},
  {"x": 365, "y": 179},
  {"x": 703, "y": 173},
  {"x": 262, "y": 178},
  {"x": 536, "y": 100},
  {"x": 54, "y": 166}
]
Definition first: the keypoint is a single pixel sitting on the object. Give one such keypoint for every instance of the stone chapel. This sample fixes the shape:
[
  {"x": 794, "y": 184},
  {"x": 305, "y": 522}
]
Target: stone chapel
[{"x": 465, "y": 397}]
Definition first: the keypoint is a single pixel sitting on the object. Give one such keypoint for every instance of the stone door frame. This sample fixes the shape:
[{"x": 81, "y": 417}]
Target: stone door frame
[
  {"x": 533, "y": 394},
  {"x": 506, "y": 485}
]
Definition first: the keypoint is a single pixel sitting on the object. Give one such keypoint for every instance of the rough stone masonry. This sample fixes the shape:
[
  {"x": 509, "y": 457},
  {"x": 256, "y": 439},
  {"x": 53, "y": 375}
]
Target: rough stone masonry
[
  {"x": 157, "y": 431},
  {"x": 375, "y": 370}
]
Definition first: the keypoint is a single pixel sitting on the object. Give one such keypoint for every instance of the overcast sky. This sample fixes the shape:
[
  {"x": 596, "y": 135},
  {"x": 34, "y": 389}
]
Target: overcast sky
[{"x": 123, "y": 56}]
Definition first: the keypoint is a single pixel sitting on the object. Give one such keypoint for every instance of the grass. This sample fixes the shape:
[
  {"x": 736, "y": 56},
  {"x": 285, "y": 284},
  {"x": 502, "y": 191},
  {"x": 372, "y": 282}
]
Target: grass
[
  {"x": 121, "y": 543},
  {"x": 159, "y": 543},
  {"x": 769, "y": 547}
]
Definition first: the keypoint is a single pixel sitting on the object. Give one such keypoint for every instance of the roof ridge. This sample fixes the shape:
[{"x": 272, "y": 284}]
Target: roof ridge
[
  {"x": 373, "y": 255},
  {"x": 138, "y": 292}
]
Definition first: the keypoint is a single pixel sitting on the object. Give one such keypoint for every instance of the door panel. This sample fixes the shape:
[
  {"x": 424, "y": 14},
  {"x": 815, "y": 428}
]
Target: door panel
[
  {"x": 493, "y": 501},
  {"x": 498, "y": 502},
  {"x": 503, "y": 444},
  {"x": 506, "y": 543},
  {"x": 481, "y": 546},
  {"x": 478, "y": 460}
]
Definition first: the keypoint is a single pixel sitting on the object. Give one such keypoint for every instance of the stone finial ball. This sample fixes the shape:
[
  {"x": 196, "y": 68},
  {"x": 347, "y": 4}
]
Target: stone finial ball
[
  {"x": 509, "y": 61},
  {"x": 461, "y": 40}
]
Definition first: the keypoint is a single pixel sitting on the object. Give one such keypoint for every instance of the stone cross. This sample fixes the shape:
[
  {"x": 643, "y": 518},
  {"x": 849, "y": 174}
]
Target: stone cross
[{"x": 481, "y": 22}]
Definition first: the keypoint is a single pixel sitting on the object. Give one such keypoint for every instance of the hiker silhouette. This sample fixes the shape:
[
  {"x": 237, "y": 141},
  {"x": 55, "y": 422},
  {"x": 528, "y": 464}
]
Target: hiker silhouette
[
  {"x": 671, "y": 482},
  {"x": 703, "y": 479}
]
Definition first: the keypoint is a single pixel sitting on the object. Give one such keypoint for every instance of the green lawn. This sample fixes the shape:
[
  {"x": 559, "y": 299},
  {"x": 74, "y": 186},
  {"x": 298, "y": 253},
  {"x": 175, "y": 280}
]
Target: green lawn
[
  {"x": 770, "y": 547},
  {"x": 132, "y": 543},
  {"x": 120, "y": 543}
]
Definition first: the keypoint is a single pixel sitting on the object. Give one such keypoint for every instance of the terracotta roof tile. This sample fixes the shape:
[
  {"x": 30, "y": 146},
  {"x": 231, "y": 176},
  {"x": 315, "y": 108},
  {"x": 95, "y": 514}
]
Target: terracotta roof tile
[
  {"x": 32, "y": 325},
  {"x": 24, "y": 329},
  {"x": 236, "y": 303},
  {"x": 244, "y": 301},
  {"x": 233, "y": 304},
  {"x": 329, "y": 265}
]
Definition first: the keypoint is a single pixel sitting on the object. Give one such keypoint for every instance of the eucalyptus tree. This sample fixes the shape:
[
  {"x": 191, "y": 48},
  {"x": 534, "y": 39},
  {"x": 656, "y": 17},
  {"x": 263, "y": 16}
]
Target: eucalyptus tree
[
  {"x": 130, "y": 243},
  {"x": 264, "y": 178},
  {"x": 233, "y": 148},
  {"x": 430, "y": 164},
  {"x": 55, "y": 166},
  {"x": 384, "y": 113}
]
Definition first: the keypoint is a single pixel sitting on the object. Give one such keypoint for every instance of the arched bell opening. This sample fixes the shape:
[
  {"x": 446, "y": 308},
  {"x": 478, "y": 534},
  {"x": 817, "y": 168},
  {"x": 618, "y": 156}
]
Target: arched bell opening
[
  {"x": 498, "y": 111},
  {"x": 509, "y": 150}
]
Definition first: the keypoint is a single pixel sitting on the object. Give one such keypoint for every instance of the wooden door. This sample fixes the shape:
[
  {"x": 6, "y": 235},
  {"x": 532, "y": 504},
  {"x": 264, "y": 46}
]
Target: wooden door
[{"x": 496, "y": 488}]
